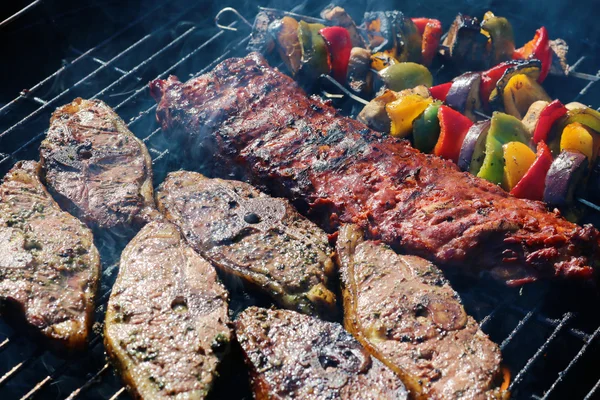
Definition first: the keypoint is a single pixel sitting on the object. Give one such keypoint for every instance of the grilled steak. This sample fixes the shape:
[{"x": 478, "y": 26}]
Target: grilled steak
[
  {"x": 403, "y": 310},
  {"x": 261, "y": 239},
  {"x": 166, "y": 323},
  {"x": 260, "y": 120},
  {"x": 291, "y": 355},
  {"x": 96, "y": 168},
  {"x": 49, "y": 266}
]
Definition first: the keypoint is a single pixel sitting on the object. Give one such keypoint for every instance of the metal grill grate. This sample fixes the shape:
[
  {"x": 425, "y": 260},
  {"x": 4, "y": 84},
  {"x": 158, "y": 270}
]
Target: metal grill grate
[{"x": 550, "y": 344}]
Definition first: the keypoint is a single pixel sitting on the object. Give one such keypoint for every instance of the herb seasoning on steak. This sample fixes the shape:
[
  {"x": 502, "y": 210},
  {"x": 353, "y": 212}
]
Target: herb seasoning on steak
[
  {"x": 49, "y": 266},
  {"x": 258, "y": 121},
  {"x": 291, "y": 355},
  {"x": 258, "y": 238},
  {"x": 166, "y": 323},
  {"x": 96, "y": 168},
  {"x": 403, "y": 310}
]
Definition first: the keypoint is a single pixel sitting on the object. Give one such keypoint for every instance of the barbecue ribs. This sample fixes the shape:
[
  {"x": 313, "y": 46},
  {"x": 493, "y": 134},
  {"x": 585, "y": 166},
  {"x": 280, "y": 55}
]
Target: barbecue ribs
[{"x": 261, "y": 126}]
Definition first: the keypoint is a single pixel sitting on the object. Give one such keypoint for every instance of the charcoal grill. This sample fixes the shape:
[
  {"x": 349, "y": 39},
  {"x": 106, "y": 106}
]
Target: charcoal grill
[{"x": 549, "y": 333}]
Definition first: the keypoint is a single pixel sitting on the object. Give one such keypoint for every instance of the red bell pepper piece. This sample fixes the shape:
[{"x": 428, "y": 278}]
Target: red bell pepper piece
[
  {"x": 549, "y": 115},
  {"x": 532, "y": 184},
  {"x": 431, "y": 31},
  {"x": 339, "y": 45},
  {"x": 440, "y": 92},
  {"x": 538, "y": 48},
  {"x": 453, "y": 129},
  {"x": 489, "y": 79}
]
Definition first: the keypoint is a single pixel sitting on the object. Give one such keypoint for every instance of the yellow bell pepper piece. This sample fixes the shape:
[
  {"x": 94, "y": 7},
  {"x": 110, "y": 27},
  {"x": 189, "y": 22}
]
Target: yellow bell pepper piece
[
  {"x": 382, "y": 59},
  {"x": 520, "y": 93},
  {"x": 518, "y": 158},
  {"x": 404, "y": 111},
  {"x": 576, "y": 136}
]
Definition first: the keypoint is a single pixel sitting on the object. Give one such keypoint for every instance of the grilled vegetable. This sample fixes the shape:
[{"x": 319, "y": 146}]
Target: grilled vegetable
[
  {"x": 453, "y": 129},
  {"x": 532, "y": 117},
  {"x": 406, "y": 75},
  {"x": 285, "y": 32},
  {"x": 360, "y": 77},
  {"x": 504, "y": 129},
  {"x": 380, "y": 31},
  {"x": 576, "y": 137},
  {"x": 521, "y": 92},
  {"x": 472, "y": 151},
  {"x": 339, "y": 45},
  {"x": 315, "y": 56},
  {"x": 548, "y": 116},
  {"x": 261, "y": 40},
  {"x": 538, "y": 48},
  {"x": 440, "y": 92},
  {"x": 490, "y": 78},
  {"x": 586, "y": 116},
  {"x": 532, "y": 184},
  {"x": 382, "y": 60},
  {"x": 426, "y": 128},
  {"x": 431, "y": 32},
  {"x": 392, "y": 32},
  {"x": 463, "y": 95},
  {"x": 465, "y": 46},
  {"x": 374, "y": 114},
  {"x": 518, "y": 158},
  {"x": 501, "y": 33},
  {"x": 530, "y": 68},
  {"x": 564, "y": 176},
  {"x": 339, "y": 17},
  {"x": 404, "y": 111}
]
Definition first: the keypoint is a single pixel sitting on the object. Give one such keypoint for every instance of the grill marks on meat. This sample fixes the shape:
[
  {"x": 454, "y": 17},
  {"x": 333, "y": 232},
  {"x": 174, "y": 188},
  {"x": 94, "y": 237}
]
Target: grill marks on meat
[
  {"x": 166, "y": 324},
  {"x": 49, "y": 266},
  {"x": 258, "y": 238},
  {"x": 404, "y": 311},
  {"x": 291, "y": 355},
  {"x": 96, "y": 168},
  {"x": 258, "y": 119}
]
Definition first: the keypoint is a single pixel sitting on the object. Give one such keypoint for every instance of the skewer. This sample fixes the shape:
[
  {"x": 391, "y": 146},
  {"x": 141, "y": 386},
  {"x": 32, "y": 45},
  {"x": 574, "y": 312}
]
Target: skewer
[
  {"x": 229, "y": 27},
  {"x": 19, "y": 13},
  {"x": 117, "y": 394},
  {"x": 89, "y": 382}
]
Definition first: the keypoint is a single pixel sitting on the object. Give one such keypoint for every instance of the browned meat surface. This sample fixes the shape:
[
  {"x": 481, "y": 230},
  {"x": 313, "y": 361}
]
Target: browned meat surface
[
  {"x": 291, "y": 355},
  {"x": 258, "y": 238},
  {"x": 258, "y": 119},
  {"x": 403, "y": 310},
  {"x": 49, "y": 266},
  {"x": 96, "y": 168},
  {"x": 166, "y": 326}
]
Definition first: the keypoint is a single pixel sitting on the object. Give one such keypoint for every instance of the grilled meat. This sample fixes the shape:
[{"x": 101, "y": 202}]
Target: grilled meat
[
  {"x": 403, "y": 310},
  {"x": 260, "y": 120},
  {"x": 49, "y": 266},
  {"x": 291, "y": 355},
  {"x": 96, "y": 168},
  {"x": 166, "y": 323},
  {"x": 246, "y": 233}
]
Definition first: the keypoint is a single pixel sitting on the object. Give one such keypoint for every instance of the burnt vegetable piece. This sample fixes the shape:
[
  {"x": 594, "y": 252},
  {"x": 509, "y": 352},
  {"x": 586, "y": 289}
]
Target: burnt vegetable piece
[
  {"x": 564, "y": 178},
  {"x": 392, "y": 32},
  {"x": 465, "y": 46},
  {"x": 472, "y": 151},
  {"x": 294, "y": 356},
  {"x": 360, "y": 77},
  {"x": 406, "y": 314},
  {"x": 261, "y": 39},
  {"x": 166, "y": 327},
  {"x": 339, "y": 17},
  {"x": 285, "y": 32},
  {"x": 463, "y": 95},
  {"x": 380, "y": 32}
]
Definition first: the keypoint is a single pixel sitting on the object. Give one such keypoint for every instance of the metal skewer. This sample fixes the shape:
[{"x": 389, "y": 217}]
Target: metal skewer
[{"x": 19, "y": 13}]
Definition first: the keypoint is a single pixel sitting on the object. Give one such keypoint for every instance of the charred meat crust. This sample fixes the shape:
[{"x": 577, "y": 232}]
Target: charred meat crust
[
  {"x": 291, "y": 355},
  {"x": 403, "y": 310},
  {"x": 96, "y": 168},
  {"x": 166, "y": 327},
  {"x": 49, "y": 266},
  {"x": 258, "y": 238},
  {"x": 256, "y": 118}
]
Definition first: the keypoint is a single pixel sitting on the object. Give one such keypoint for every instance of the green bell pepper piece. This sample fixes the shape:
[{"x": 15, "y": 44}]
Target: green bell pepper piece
[
  {"x": 315, "y": 56},
  {"x": 503, "y": 41},
  {"x": 406, "y": 75},
  {"x": 504, "y": 128},
  {"x": 426, "y": 128}
]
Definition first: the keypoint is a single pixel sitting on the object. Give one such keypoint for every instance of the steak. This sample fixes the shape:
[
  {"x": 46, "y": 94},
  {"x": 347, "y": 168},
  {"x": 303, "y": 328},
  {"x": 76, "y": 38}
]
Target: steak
[
  {"x": 406, "y": 314},
  {"x": 166, "y": 326},
  {"x": 258, "y": 238},
  {"x": 257, "y": 119},
  {"x": 291, "y": 355},
  {"x": 49, "y": 266},
  {"x": 96, "y": 168}
]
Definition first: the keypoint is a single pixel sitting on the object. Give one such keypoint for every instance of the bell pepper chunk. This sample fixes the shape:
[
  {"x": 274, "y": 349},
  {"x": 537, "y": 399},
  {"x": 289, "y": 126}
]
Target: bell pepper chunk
[
  {"x": 576, "y": 137},
  {"x": 404, "y": 111},
  {"x": 339, "y": 44},
  {"x": 426, "y": 128},
  {"x": 539, "y": 48},
  {"x": 489, "y": 79},
  {"x": 520, "y": 92},
  {"x": 501, "y": 33},
  {"x": 532, "y": 184},
  {"x": 518, "y": 158},
  {"x": 453, "y": 129},
  {"x": 431, "y": 31},
  {"x": 406, "y": 75},
  {"x": 548, "y": 117},
  {"x": 315, "y": 55},
  {"x": 439, "y": 92},
  {"x": 382, "y": 60},
  {"x": 504, "y": 128}
]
